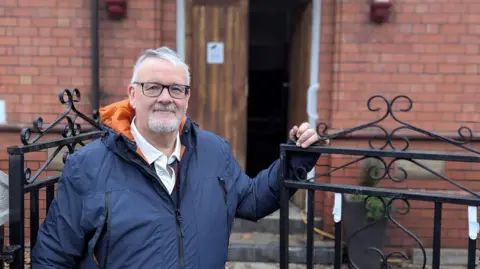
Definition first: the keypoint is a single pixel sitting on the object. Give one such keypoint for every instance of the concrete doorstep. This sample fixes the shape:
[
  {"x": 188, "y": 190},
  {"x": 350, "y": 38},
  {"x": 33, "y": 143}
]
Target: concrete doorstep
[
  {"x": 258, "y": 242},
  {"x": 271, "y": 223},
  {"x": 261, "y": 247},
  {"x": 448, "y": 257},
  {"x": 256, "y": 245}
]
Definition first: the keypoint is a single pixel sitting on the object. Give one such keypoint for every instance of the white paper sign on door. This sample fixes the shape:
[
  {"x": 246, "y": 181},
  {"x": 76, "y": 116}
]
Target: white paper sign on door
[{"x": 215, "y": 52}]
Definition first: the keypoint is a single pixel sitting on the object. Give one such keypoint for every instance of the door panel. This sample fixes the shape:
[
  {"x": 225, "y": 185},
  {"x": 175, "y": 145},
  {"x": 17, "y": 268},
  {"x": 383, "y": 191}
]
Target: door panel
[
  {"x": 300, "y": 75},
  {"x": 219, "y": 91},
  {"x": 300, "y": 65}
]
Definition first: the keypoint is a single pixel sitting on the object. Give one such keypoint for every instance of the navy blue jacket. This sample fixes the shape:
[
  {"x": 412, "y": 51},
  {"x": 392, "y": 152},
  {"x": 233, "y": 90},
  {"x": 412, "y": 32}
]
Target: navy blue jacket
[{"x": 112, "y": 211}]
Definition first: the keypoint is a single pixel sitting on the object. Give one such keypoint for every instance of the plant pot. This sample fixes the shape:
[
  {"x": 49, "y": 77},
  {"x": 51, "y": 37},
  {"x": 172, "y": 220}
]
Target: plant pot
[{"x": 354, "y": 218}]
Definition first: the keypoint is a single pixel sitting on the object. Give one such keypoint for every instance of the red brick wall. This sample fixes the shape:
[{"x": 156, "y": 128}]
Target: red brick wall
[
  {"x": 432, "y": 59},
  {"x": 45, "y": 47},
  {"x": 430, "y": 52}
]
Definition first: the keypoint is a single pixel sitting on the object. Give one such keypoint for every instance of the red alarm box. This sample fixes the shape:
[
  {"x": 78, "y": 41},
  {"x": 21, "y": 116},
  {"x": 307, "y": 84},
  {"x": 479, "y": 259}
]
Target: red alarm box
[
  {"x": 116, "y": 9},
  {"x": 380, "y": 10}
]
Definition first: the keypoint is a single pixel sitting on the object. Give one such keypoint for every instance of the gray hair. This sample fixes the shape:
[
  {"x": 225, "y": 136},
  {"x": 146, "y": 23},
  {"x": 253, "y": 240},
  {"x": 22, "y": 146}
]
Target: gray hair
[{"x": 164, "y": 53}]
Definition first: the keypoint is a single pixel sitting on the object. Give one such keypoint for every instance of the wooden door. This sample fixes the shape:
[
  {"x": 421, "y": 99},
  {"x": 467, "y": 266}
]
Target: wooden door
[
  {"x": 300, "y": 75},
  {"x": 219, "y": 90},
  {"x": 300, "y": 65}
]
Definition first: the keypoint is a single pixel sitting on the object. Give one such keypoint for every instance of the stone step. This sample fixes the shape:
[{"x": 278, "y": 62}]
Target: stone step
[
  {"x": 448, "y": 257},
  {"x": 271, "y": 223},
  {"x": 264, "y": 248}
]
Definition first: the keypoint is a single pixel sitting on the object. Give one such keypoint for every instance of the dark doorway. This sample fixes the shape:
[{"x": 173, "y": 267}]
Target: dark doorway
[{"x": 268, "y": 80}]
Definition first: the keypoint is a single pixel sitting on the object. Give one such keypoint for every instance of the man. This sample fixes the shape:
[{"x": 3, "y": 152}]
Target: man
[{"x": 155, "y": 191}]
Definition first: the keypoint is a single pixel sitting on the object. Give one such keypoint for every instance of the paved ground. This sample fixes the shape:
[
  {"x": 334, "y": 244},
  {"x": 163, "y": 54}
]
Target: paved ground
[
  {"x": 273, "y": 266},
  {"x": 299, "y": 266},
  {"x": 240, "y": 265},
  {"x": 236, "y": 265}
]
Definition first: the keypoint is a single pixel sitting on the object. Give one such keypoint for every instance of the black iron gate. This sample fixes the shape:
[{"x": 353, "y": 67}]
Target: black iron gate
[
  {"x": 384, "y": 150},
  {"x": 21, "y": 180}
]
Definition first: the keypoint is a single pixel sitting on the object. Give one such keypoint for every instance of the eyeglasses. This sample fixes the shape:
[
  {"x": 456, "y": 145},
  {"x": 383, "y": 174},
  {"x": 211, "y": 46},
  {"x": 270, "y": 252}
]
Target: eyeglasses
[{"x": 153, "y": 89}]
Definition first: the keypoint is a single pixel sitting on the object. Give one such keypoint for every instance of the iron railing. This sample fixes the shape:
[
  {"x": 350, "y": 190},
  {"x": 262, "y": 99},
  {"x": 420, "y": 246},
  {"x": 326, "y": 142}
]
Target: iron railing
[
  {"x": 2, "y": 256},
  {"x": 385, "y": 155},
  {"x": 21, "y": 180}
]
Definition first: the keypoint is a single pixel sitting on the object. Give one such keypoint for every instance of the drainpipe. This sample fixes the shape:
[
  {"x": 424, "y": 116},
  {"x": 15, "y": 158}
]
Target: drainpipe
[
  {"x": 94, "y": 55},
  {"x": 314, "y": 68},
  {"x": 181, "y": 28}
]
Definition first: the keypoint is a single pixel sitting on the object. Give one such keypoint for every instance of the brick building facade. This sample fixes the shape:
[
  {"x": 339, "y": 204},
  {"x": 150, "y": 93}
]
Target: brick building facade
[{"x": 429, "y": 51}]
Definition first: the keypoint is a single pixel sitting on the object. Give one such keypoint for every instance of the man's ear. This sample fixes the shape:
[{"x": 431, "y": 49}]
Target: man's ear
[
  {"x": 188, "y": 99},
  {"x": 131, "y": 95}
]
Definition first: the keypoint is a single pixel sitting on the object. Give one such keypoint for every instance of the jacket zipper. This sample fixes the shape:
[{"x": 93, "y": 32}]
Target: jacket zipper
[
  {"x": 179, "y": 239},
  {"x": 178, "y": 216},
  {"x": 179, "y": 221}
]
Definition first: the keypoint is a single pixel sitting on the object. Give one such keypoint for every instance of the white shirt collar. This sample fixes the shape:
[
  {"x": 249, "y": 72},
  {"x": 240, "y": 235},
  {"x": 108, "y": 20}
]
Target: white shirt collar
[{"x": 151, "y": 153}]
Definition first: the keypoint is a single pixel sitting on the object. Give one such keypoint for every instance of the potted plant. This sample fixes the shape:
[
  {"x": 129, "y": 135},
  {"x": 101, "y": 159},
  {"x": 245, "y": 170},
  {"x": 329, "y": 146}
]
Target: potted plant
[{"x": 365, "y": 220}]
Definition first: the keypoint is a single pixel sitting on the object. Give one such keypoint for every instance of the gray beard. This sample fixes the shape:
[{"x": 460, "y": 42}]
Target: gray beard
[{"x": 161, "y": 127}]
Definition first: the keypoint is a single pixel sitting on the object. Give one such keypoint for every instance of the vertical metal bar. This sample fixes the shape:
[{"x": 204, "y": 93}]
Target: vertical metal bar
[
  {"x": 2, "y": 243},
  {"x": 181, "y": 14},
  {"x": 472, "y": 247},
  {"x": 310, "y": 221},
  {"x": 437, "y": 234},
  {"x": 94, "y": 21},
  {"x": 16, "y": 177},
  {"x": 338, "y": 245},
  {"x": 284, "y": 197},
  {"x": 34, "y": 216},
  {"x": 50, "y": 196}
]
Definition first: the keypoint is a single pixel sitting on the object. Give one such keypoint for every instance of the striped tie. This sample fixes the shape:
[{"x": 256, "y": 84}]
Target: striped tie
[{"x": 175, "y": 166}]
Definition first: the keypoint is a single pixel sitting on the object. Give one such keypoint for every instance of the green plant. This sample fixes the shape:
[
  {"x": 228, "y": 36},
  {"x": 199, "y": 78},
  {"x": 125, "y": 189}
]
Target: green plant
[{"x": 369, "y": 177}]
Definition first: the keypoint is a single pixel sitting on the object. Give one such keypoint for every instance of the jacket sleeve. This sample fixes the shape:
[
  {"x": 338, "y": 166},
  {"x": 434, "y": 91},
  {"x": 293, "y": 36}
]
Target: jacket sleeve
[
  {"x": 61, "y": 237},
  {"x": 260, "y": 196}
]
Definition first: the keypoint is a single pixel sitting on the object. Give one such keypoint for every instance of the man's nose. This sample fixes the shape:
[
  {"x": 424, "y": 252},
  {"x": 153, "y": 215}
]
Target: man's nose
[{"x": 164, "y": 96}]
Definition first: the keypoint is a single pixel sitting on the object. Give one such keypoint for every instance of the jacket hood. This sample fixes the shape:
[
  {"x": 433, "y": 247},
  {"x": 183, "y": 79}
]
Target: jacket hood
[{"x": 118, "y": 116}]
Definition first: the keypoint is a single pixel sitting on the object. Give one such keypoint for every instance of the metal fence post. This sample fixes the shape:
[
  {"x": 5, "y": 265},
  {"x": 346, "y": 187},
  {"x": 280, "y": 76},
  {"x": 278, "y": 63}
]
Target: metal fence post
[
  {"x": 2, "y": 243},
  {"x": 284, "y": 197},
  {"x": 16, "y": 177},
  {"x": 3, "y": 212}
]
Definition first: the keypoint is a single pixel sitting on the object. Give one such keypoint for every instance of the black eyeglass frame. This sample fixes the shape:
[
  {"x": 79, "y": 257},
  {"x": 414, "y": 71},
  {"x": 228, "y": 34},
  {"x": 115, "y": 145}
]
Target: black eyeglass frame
[{"x": 187, "y": 89}]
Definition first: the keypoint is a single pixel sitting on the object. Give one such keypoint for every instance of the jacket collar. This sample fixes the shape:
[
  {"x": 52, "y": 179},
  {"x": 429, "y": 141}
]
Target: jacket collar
[{"x": 118, "y": 116}]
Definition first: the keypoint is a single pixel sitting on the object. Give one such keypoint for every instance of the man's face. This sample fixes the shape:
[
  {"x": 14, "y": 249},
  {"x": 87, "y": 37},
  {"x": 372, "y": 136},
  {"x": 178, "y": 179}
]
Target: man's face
[{"x": 162, "y": 114}]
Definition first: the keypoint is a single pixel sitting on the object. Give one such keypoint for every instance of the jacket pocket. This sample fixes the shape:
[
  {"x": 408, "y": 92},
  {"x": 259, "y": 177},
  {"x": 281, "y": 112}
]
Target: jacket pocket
[
  {"x": 103, "y": 231},
  {"x": 223, "y": 187}
]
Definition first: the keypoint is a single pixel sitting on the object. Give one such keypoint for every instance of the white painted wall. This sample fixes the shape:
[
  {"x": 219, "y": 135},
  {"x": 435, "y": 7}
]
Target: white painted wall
[{"x": 3, "y": 112}]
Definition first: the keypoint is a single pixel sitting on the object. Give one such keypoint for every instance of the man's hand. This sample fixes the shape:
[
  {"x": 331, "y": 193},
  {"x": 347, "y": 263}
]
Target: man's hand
[{"x": 304, "y": 136}]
